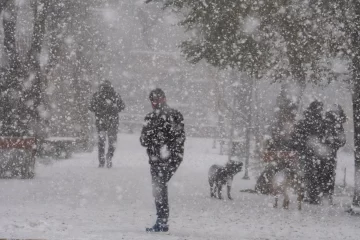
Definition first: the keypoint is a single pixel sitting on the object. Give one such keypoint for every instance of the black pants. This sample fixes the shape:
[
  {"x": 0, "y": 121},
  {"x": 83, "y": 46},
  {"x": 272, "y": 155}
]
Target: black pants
[
  {"x": 312, "y": 174},
  {"x": 161, "y": 175},
  {"x": 112, "y": 138},
  {"x": 327, "y": 177}
]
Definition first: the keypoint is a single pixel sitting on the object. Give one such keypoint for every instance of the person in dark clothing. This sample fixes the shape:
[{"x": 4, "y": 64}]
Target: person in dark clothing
[
  {"x": 106, "y": 104},
  {"x": 334, "y": 139},
  {"x": 163, "y": 135},
  {"x": 308, "y": 143},
  {"x": 278, "y": 149},
  {"x": 283, "y": 127}
]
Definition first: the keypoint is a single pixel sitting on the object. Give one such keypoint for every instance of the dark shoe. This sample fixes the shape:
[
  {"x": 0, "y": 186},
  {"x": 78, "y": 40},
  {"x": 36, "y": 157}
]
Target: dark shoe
[
  {"x": 314, "y": 202},
  {"x": 109, "y": 164},
  {"x": 101, "y": 165},
  {"x": 158, "y": 228},
  {"x": 108, "y": 161}
]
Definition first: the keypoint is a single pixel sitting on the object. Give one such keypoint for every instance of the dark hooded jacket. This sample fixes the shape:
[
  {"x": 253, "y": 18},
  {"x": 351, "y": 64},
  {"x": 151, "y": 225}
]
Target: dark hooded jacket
[
  {"x": 309, "y": 129},
  {"x": 163, "y": 135},
  {"x": 106, "y": 104}
]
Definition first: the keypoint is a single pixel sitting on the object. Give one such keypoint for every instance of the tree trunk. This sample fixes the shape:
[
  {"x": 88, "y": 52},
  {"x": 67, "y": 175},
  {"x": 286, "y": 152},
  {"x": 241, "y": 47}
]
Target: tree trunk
[
  {"x": 256, "y": 123},
  {"x": 40, "y": 9},
  {"x": 82, "y": 117},
  {"x": 147, "y": 22},
  {"x": 247, "y": 146},
  {"x": 242, "y": 119},
  {"x": 298, "y": 74},
  {"x": 256, "y": 116},
  {"x": 9, "y": 23},
  {"x": 356, "y": 112},
  {"x": 32, "y": 65},
  {"x": 249, "y": 88},
  {"x": 294, "y": 55},
  {"x": 356, "y": 103}
]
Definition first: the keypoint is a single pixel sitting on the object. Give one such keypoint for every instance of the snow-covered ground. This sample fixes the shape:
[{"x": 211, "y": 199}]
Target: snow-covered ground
[{"x": 73, "y": 199}]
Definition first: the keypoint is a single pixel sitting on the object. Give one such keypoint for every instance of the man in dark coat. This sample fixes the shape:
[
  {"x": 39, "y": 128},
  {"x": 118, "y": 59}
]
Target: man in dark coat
[
  {"x": 106, "y": 104},
  {"x": 163, "y": 135},
  {"x": 307, "y": 140},
  {"x": 334, "y": 139}
]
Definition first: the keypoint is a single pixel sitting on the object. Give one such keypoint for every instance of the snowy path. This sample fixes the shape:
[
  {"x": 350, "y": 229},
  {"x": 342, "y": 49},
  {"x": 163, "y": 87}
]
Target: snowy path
[{"x": 73, "y": 199}]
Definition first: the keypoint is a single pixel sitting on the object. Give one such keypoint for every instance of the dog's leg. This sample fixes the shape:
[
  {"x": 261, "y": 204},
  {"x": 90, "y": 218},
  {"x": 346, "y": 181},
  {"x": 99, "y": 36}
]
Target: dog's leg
[
  {"x": 212, "y": 189},
  {"x": 229, "y": 192},
  {"x": 215, "y": 189},
  {"x": 300, "y": 196},
  {"x": 228, "y": 185},
  {"x": 286, "y": 200},
  {"x": 331, "y": 199},
  {"x": 301, "y": 192},
  {"x": 331, "y": 193},
  {"x": 299, "y": 200},
  {"x": 219, "y": 190},
  {"x": 288, "y": 182},
  {"x": 275, "y": 193},
  {"x": 276, "y": 200},
  {"x": 286, "y": 194}
]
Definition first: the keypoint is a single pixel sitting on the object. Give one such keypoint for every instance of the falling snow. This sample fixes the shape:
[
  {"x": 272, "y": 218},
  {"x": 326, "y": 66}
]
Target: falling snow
[{"x": 272, "y": 84}]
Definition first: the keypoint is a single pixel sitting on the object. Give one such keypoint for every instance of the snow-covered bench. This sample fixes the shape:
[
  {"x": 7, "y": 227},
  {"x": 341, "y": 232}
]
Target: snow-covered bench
[
  {"x": 58, "y": 147},
  {"x": 17, "y": 157}
]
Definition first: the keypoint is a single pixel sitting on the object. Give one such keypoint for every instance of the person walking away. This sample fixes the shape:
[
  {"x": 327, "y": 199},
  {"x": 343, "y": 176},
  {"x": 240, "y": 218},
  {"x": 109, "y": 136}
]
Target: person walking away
[
  {"x": 106, "y": 104},
  {"x": 163, "y": 135},
  {"x": 334, "y": 138},
  {"x": 307, "y": 141}
]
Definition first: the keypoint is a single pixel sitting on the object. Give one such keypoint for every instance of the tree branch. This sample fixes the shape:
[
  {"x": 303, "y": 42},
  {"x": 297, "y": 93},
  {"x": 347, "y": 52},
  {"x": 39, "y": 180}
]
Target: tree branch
[{"x": 3, "y": 4}]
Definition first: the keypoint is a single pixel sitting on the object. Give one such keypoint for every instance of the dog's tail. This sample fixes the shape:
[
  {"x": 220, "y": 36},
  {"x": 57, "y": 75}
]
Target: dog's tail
[{"x": 248, "y": 191}]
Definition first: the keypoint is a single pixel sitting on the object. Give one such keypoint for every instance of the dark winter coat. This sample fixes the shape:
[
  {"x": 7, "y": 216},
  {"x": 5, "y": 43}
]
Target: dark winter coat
[
  {"x": 334, "y": 134},
  {"x": 308, "y": 132},
  {"x": 308, "y": 142},
  {"x": 106, "y": 104},
  {"x": 163, "y": 135},
  {"x": 333, "y": 138}
]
